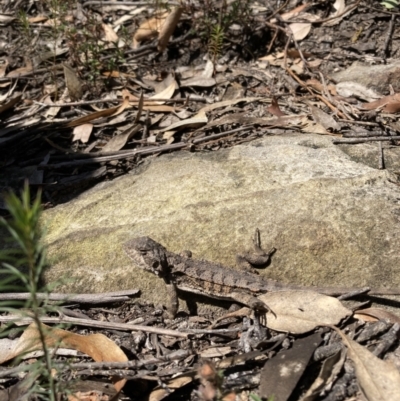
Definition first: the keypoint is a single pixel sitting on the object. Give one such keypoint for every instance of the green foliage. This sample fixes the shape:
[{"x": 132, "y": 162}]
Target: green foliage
[
  {"x": 23, "y": 266},
  {"x": 216, "y": 41},
  {"x": 217, "y": 20},
  {"x": 25, "y": 25},
  {"x": 389, "y": 4},
  {"x": 255, "y": 397}
]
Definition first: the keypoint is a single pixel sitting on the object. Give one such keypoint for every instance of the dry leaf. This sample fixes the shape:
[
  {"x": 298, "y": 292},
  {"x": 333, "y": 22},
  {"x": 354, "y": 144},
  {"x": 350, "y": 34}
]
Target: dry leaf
[
  {"x": 298, "y": 312},
  {"x": 340, "y": 8},
  {"x": 160, "y": 393},
  {"x": 109, "y": 34},
  {"x": 294, "y": 13},
  {"x": 300, "y": 30},
  {"x": 314, "y": 83},
  {"x": 113, "y": 111},
  {"x": 378, "y": 380},
  {"x": 97, "y": 346},
  {"x": 11, "y": 103},
  {"x": 197, "y": 121},
  {"x": 117, "y": 142},
  {"x": 323, "y": 119},
  {"x": 215, "y": 352},
  {"x": 167, "y": 93},
  {"x": 73, "y": 83},
  {"x": 149, "y": 29},
  {"x": 274, "y": 108},
  {"x": 199, "y": 81},
  {"x": 21, "y": 71},
  {"x": 374, "y": 314},
  {"x": 383, "y": 102},
  {"x": 168, "y": 28},
  {"x": 51, "y": 112},
  {"x": 82, "y": 133},
  {"x": 37, "y": 19}
]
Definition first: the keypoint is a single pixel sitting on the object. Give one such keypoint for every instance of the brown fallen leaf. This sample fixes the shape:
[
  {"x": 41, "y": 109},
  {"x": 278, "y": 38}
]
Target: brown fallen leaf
[
  {"x": 378, "y": 380},
  {"x": 82, "y": 133},
  {"x": 169, "y": 387},
  {"x": 149, "y": 29},
  {"x": 274, "y": 108},
  {"x": 298, "y": 312},
  {"x": 374, "y": 314},
  {"x": 73, "y": 83},
  {"x": 113, "y": 111},
  {"x": 117, "y": 142},
  {"x": 97, "y": 346},
  {"x": 383, "y": 102},
  {"x": 11, "y": 103},
  {"x": 168, "y": 28}
]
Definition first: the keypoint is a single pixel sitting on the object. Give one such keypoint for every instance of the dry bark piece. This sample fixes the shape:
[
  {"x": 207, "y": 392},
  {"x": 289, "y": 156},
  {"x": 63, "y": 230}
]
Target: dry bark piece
[{"x": 281, "y": 374}]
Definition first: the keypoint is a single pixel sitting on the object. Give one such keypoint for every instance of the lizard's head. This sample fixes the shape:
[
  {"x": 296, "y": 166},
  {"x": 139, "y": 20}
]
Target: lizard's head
[{"x": 147, "y": 254}]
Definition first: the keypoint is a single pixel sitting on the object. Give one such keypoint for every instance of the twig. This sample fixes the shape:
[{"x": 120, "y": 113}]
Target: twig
[
  {"x": 381, "y": 160},
  {"x": 84, "y": 103},
  {"x": 94, "y": 323},
  {"x": 93, "y": 299},
  {"x": 172, "y": 356},
  {"x": 368, "y": 123},
  {"x": 367, "y": 139},
  {"x": 220, "y": 135},
  {"x": 127, "y": 155},
  {"x": 388, "y": 37}
]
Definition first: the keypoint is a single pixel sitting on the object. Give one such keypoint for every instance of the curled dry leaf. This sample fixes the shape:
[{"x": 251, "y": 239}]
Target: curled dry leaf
[
  {"x": 298, "y": 312},
  {"x": 149, "y": 29},
  {"x": 386, "y": 103},
  {"x": 170, "y": 386},
  {"x": 97, "y": 346},
  {"x": 113, "y": 111},
  {"x": 374, "y": 314},
  {"x": 378, "y": 380},
  {"x": 168, "y": 28},
  {"x": 10, "y": 104},
  {"x": 329, "y": 371}
]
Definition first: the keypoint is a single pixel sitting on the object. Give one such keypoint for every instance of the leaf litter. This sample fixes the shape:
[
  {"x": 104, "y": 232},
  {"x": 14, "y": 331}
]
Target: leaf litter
[{"x": 116, "y": 82}]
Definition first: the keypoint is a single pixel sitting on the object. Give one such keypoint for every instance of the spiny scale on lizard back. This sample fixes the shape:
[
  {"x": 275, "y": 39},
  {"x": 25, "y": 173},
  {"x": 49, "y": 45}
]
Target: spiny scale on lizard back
[{"x": 229, "y": 277}]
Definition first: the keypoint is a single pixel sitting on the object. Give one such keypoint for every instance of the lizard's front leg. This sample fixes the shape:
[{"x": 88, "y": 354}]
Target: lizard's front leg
[
  {"x": 173, "y": 301},
  {"x": 250, "y": 301}
]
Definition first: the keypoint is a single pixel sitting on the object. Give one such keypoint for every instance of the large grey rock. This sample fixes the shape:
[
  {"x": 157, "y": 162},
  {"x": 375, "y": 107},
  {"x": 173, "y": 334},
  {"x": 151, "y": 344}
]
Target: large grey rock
[
  {"x": 378, "y": 77},
  {"x": 333, "y": 221}
]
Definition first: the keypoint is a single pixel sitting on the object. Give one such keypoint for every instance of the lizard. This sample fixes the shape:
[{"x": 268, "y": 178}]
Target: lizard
[{"x": 181, "y": 272}]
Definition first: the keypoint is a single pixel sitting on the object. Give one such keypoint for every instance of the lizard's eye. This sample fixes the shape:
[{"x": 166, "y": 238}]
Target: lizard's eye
[{"x": 155, "y": 265}]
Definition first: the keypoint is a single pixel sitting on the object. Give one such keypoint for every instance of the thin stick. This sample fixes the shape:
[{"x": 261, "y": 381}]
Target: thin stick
[
  {"x": 94, "y": 323},
  {"x": 367, "y": 139},
  {"x": 93, "y": 299}
]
